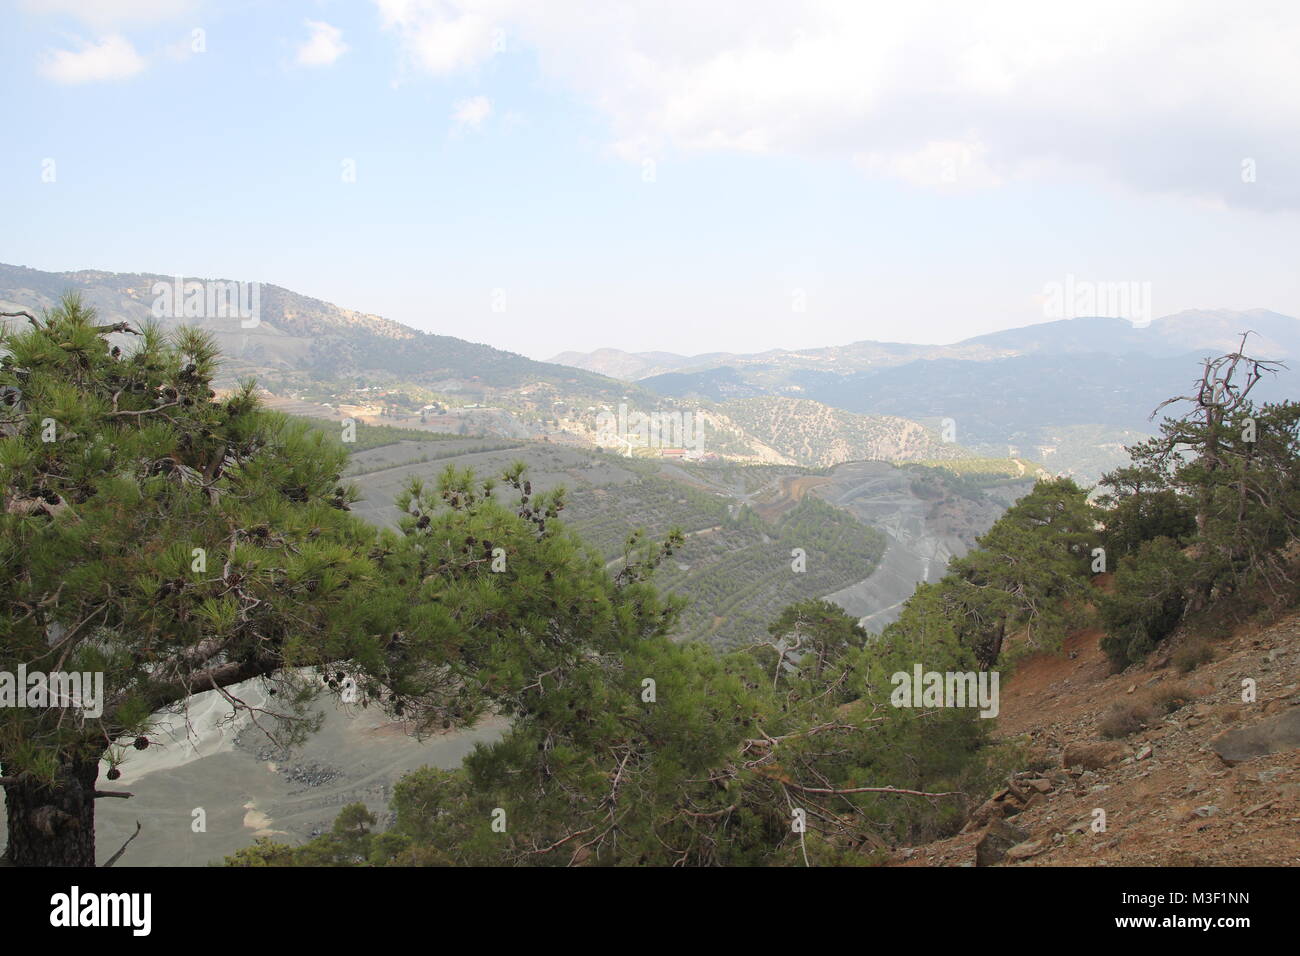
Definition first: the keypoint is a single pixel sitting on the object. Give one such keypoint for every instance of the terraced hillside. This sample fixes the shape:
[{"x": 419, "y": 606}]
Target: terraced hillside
[
  {"x": 736, "y": 569},
  {"x": 868, "y": 531}
]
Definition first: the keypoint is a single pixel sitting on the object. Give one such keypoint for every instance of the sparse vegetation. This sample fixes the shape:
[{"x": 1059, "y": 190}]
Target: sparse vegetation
[
  {"x": 1192, "y": 654},
  {"x": 814, "y": 434},
  {"x": 1126, "y": 718}
]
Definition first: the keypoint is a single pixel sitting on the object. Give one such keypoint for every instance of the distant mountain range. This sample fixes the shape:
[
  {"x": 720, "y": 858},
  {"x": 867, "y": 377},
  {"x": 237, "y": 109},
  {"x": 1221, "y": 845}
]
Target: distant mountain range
[
  {"x": 1218, "y": 330},
  {"x": 316, "y": 358},
  {"x": 1069, "y": 393}
]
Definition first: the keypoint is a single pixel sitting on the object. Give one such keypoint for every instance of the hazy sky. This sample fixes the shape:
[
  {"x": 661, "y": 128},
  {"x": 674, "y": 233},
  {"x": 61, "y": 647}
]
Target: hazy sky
[{"x": 683, "y": 175}]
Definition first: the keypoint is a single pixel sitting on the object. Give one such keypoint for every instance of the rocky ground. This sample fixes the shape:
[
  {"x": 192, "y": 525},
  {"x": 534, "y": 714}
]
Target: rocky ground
[{"x": 1213, "y": 782}]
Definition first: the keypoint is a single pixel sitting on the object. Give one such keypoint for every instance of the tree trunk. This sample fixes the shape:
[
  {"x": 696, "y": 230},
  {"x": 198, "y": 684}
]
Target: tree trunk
[
  {"x": 1210, "y": 461},
  {"x": 993, "y": 648},
  {"x": 53, "y": 825}
]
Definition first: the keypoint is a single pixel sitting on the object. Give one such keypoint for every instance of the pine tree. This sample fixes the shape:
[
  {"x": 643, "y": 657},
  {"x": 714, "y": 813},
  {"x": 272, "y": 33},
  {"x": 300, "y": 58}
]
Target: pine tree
[
  {"x": 1205, "y": 510},
  {"x": 171, "y": 540},
  {"x": 1029, "y": 570},
  {"x": 179, "y": 542}
]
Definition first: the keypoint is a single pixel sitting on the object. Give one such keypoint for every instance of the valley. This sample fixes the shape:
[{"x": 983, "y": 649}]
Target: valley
[{"x": 870, "y": 530}]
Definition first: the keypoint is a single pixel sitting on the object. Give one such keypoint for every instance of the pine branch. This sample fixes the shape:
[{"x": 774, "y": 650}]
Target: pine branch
[{"x": 30, "y": 318}]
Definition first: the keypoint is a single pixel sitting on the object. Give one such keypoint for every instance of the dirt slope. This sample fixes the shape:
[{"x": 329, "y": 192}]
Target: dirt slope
[{"x": 1170, "y": 798}]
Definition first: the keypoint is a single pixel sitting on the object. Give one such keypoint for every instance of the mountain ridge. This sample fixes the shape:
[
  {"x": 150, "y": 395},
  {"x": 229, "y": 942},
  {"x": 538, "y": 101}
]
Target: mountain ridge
[
  {"x": 330, "y": 338},
  {"x": 1278, "y": 338},
  {"x": 311, "y": 354},
  {"x": 1070, "y": 394}
]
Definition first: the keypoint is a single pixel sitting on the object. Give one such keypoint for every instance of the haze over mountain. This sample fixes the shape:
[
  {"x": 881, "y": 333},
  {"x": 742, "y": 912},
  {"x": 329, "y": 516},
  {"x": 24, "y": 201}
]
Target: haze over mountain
[
  {"x": 312, "y": 357},
  {"x": 1069, "y": 393},
  {"x": 1275, "y": 336}
]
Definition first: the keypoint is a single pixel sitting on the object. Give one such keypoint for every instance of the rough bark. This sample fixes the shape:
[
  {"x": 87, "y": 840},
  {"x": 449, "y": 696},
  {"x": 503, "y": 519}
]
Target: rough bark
[{"x": 53, "y": 824}]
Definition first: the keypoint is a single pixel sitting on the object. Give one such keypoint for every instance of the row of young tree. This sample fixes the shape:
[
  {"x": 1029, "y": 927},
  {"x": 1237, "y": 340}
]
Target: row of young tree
[{"x": 179, "y": 542}]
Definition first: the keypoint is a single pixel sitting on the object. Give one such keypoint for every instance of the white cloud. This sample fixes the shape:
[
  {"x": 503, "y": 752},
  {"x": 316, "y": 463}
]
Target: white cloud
[
  {"x": 442, "y": 38},
  {"x": 113, "y": 58},
  {"x": 472, "y": 112},
  {"x": 958, "y": 165},
  {"x": 323, "y": 46},
  {"x": 1163, "y": 96}
]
